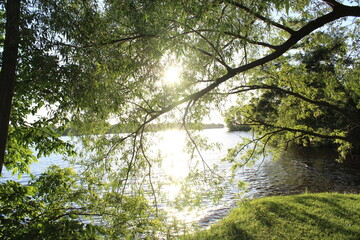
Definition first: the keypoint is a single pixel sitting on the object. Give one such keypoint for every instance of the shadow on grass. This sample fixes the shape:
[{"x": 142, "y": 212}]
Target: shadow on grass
[
  {"x": 312, "y": 213},
  {"x": 308, "y": 216}
]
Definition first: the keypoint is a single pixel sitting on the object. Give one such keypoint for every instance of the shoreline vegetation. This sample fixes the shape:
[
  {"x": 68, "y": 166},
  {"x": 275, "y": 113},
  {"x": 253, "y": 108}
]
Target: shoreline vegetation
[{"x": 306, "y": 216}]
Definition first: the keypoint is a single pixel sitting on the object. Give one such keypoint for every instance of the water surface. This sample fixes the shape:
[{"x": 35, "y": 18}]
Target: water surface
[{"x": 297, "y": 171}]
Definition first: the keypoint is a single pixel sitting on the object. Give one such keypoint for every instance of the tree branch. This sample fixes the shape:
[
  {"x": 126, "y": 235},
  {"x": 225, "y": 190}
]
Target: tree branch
[
  {"x": 333, "y": 3},
  {"x": 301, "y": 33},
  {"x": 220, "y": 59},
  {"x": 118, "y": 40},
  {"x": 205, "y": 164},
  {"x": 332, "y": 137},
  {"x": 343, "y": 11},
  {"x": 251, "y": 41},
  {"x": 344, "y": 112},
  {"x": 297, "y": 36},
  {"x": 212, "y": 56},
  {"x": 262, "y": 18}
]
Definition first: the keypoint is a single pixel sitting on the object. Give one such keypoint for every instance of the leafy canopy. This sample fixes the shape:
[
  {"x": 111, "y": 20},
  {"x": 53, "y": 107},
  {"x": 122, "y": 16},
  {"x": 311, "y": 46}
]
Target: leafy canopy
[{"x": 88, "y": 62}]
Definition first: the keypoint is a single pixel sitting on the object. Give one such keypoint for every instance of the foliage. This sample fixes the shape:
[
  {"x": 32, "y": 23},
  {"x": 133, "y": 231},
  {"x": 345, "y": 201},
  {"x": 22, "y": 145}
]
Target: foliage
[
  {"x": 310, "y": 101},
  {"x": 86, "y": 63},
  {"x": 214, "y": 43},
  {"x": 234, "y": 120},
  {"x": 44, "y": 209},
  {"x": 55, "y": 206},
  {"x": 307, "y": 216},
  {"x": 43, "y": 75}
]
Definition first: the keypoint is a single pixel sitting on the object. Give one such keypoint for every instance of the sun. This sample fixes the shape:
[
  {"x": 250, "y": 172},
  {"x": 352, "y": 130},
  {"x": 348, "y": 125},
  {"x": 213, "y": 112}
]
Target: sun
[{"x": 172, "y": 75}]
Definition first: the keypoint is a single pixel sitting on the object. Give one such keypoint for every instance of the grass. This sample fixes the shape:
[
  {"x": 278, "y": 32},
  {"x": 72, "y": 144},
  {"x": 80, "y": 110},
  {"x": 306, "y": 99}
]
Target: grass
[{"x": 308, "y": 216}]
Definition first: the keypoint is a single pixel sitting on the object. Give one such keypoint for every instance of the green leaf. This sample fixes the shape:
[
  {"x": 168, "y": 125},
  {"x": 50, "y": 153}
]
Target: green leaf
[
  {"x": 73, "y": 216},
  {"x": 100, "y": 229}
]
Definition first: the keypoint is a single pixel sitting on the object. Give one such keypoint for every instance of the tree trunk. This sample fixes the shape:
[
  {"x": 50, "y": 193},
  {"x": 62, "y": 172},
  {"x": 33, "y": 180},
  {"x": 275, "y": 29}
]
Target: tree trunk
[{"x": 8, "y": 71}]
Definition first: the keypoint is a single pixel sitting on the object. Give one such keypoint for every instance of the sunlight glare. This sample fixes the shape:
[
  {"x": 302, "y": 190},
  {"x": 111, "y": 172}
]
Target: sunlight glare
[
  {"x": 175, "y": 160},
  {"x": 172, "y": 75},
  {"x": 172, "y": 190}
]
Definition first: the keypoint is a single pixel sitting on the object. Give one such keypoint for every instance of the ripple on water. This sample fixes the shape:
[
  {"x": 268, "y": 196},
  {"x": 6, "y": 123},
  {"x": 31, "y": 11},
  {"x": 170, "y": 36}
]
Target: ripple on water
[{"x": 295, "y": 172}]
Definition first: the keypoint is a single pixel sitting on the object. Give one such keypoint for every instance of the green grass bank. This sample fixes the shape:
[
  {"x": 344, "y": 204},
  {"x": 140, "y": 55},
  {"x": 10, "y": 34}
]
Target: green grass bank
[{"x": 308, "y": 216}]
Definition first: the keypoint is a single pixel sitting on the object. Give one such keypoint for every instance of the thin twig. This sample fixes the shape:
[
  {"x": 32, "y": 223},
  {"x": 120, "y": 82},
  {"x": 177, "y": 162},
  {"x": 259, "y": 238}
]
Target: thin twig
[
  {"x": 194, "y": 142},
  {"x": 261, "y": 17}
]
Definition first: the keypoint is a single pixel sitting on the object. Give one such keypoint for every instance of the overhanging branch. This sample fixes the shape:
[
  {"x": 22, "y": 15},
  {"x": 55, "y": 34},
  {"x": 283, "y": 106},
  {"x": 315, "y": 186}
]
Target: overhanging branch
[
  {"x": 344, "y": 112},
  {"x": 306, "y": 132},
  {"x": 251, "y": 41},
  {"x": 337, "y": 13},
  {"x": 262, "y": 18}
]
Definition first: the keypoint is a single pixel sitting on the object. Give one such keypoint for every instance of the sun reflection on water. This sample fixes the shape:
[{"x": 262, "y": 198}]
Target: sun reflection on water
[
  {"x": 172, "y": 150},
  {"x": 186, "y": 190},
  {"x": 175, "y": 167}
]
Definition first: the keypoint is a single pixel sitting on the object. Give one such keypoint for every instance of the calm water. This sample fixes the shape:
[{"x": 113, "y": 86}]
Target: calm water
[{"x": 295, "y": 172}]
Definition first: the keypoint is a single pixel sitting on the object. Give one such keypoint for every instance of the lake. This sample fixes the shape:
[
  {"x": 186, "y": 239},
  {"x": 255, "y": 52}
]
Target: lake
[{"x": 297, "y": 171}]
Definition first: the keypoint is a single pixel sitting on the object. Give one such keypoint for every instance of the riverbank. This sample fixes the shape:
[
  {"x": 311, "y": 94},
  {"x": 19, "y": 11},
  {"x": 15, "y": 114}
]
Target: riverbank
[{"x": 307, "y": 216}]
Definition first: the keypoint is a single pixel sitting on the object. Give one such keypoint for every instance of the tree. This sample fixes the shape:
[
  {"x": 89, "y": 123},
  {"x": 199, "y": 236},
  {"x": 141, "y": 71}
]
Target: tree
[
  {"x": 127, "y": 64},
  {"x": 43, "y": 73},
  {"x": 90, "y": 62},
  {"x": 7, "y": 76},
  {"x": 310, "y": 102},
  {"x": 220, "y": 46}
]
